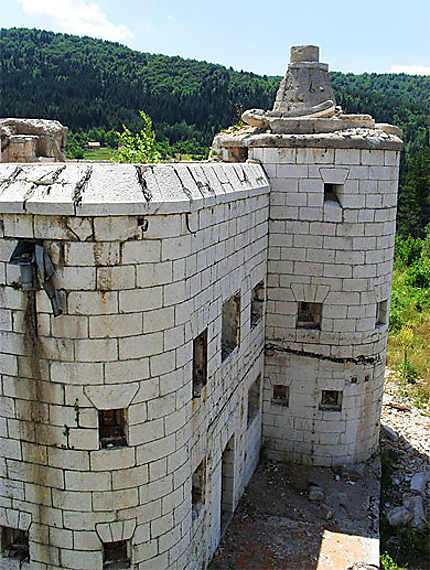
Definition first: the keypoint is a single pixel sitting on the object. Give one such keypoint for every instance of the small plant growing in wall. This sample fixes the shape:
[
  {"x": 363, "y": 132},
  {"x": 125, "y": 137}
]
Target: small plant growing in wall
[
  {"x": 77, "y": 411},
  {"x": 66, "y": 433},
  {"x": 137, "y": 147}
]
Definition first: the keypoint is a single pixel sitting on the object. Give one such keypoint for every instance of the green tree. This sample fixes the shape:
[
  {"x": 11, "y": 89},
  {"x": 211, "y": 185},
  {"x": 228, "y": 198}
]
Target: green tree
[
  {"x": 137, "y": 147},
  {"x": 414, "y": 195}
]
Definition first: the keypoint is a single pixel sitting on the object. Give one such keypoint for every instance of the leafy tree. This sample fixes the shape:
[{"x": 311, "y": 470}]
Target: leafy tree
[
  {"x": 414, "y": 196},
  {"x": 139, "y": 147}
]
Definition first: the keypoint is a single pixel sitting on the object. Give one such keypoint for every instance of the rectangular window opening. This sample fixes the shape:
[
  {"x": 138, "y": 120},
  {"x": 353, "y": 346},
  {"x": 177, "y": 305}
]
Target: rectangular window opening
[
  {"x": 257, "y": 303},
  {"x": 309, "y": 315},
  {"x": 198, "y": 489},
  {"x": 230, "y": 325},
  {"x": 254, "y": 400},
  {"x": 381, "y": 313},
  {"x": 331, "y": 400},
  {"x": 281, "y": 395},
  {"x": 112, "y": 428},
  {"x": 116, "y": 555},
  {"x": 15, "y": 544},
  {"x": 331, "y": 193},
  {"x": 200, "y": 363}
]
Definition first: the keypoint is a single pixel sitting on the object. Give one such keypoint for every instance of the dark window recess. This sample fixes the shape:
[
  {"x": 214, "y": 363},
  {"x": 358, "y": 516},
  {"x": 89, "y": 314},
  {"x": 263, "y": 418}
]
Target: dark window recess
[
  {"x": 281, "y": 395},
  {"x": 331, "y": 193},
  {"x": 112, "y": 428},
  {"x": 200, "y": 363},
  {"x": 115, "y": 555},
  {"x": 257, "y": 303},
  {"x": 254, "y": 400},
  {"x": 230, "y": 325},
  {"x": 15, "y": 544},
  {"x": 331, "y": 400},
  {"x": 309, "y": 315},
  {"x": 198, "y": 489},
  {"x": 367, "y": 378},
  {"x": 381, "y": 313}
]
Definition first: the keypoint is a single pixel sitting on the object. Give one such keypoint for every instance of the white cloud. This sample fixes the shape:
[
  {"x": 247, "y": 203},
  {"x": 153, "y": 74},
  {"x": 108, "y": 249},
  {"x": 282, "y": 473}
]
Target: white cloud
[
  {"x": 411, "y": 69},
  {"x": 81, "y": 17}
]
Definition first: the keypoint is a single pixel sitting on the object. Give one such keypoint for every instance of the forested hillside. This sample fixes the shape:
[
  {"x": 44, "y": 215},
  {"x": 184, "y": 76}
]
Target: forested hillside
[
  {"x": 96, "y": 86},
  {"x": 85, "y": 82}
]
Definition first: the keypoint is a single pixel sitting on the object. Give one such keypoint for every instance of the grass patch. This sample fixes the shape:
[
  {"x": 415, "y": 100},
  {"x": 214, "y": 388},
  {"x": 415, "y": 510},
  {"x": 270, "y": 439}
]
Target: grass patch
[
  {"x": 404, "y": 547},
  {"x": 104, "y": 153},
  {"x": 408, "y": 351}
]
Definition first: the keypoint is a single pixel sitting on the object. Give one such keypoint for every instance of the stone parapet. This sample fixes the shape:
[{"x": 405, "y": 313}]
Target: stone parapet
[{"x": 91, "y": 189}]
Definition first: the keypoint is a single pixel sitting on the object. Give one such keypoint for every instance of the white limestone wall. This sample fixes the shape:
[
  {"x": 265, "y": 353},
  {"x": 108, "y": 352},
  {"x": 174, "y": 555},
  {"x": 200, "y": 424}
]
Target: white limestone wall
[
  {"x": 139, "y": 279},
  {"x": 340, "y": 256}
]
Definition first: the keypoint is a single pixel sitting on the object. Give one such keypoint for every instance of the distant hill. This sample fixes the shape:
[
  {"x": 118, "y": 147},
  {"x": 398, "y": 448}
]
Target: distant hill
[{"x": 84, "y": 82}]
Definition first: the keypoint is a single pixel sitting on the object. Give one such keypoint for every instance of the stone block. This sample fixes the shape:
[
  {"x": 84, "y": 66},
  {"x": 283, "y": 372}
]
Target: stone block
[
  {"x": 116, "y": 228},
  {"x": 291, "y": 171},
  {"x": 114, "y": 278},
  {"x": 138, "y": 347},
  {"x": 76, "y": 481},
  {"x": 114, "y": 500},
  {"x": 151, "y": 274},
  {"x": 96, "y": 350},
  {"x": 372, "y": 157},
  {"x": 176, "y": 247},
  {"x": 115, "y": 325},
  {"x": 152, "y": 451},
  {"x": 140, "y": 300},
  {"x": 126, "y": 371},
  {"x": 347, "y": 156},
  {"x": 92, "y": 303},
  {"x": 91, "y": 254},
  {"x": 144, "y": 251}
]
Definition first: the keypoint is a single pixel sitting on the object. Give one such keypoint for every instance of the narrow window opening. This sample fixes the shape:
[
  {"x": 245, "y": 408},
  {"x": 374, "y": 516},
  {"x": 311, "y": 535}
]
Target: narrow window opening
[
  {"x": 227, "y": 482},
  {"x": 254, "y": 400},
  {"x": 331, "y": 193},
  {"x": 331, "y": 400},
  {"x": 230, "y": 325},
  {"x": 367, "y": 378},
  {"x": 116, "y": 555},
  {"x": 15, "y": 544},
  {"x": 200, "y": 363},
  {"x": 257, "y": 303},
  {"x": 198, "y": 489},
  {"x": 112, "y": 428},
  {"x": 381, "y": 313},
  {"x": 281, "y": 395},
  {"x": 309, "y": 315}
]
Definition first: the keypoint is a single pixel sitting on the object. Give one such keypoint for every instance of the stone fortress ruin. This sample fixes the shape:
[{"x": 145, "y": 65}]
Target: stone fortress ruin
[{"x": 160, "y": 322}]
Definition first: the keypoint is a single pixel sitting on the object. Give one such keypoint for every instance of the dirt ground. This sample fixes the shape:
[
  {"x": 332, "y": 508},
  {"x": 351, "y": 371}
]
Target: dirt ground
[{"x": 277, "y": 527}]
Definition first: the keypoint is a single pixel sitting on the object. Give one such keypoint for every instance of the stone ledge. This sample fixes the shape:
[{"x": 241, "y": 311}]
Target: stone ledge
[
  {"x": 92, "y": 189},
  {"x": 354, "y": 138}
]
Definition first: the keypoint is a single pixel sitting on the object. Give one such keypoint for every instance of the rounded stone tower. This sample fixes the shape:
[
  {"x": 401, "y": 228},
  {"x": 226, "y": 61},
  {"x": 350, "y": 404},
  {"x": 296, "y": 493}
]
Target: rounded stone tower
[{"x": 333, "y": 179}]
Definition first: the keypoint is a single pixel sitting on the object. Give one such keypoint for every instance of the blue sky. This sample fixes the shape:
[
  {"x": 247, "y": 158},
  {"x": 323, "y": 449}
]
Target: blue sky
[{"x": 357, "y": 36}]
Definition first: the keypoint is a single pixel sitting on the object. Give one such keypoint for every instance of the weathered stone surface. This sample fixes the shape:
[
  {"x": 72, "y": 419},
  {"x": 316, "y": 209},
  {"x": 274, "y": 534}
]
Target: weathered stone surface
[
  {"x": 316, "y": 493},
  {"x": 305, "y": 105},
  {"x": 398, "y": 516},
  {"x": 32, "y": 140},
  {"x": 415, "y": 506},
  {"x": 419, "y": 482},
  {"x": 306, "y": 87}
]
